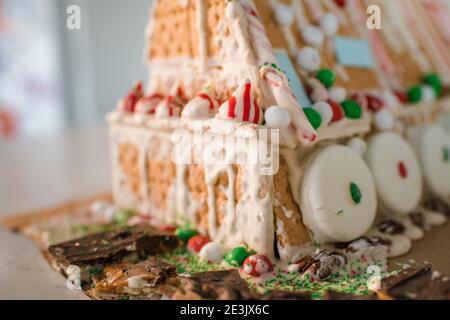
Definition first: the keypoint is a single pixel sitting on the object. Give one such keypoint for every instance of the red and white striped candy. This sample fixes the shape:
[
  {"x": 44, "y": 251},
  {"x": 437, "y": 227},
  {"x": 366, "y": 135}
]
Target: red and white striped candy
[
  {"x": 128, "y": 103},
  {"x": 167, "y": 108},
  {"x": 201, "y": 107},
  {"x": 148, "y": 104},
  {"x": 242, "y": 105}
]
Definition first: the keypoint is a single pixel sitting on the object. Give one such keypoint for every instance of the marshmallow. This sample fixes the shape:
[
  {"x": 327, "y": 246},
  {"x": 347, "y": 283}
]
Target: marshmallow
[
  {"x": 309, "y": 59},
  {"x": 277, "y": 117},
  {"x": 284, "y": 15},
  {"x": 325, "y": 111},
  {"x": 329, "y": 24},
  {"x": 313, "y": 36},
  {"x": 337, "y": 94},
  {"x": 384, "y": 120},
  {"x": 358, "y": 145}
]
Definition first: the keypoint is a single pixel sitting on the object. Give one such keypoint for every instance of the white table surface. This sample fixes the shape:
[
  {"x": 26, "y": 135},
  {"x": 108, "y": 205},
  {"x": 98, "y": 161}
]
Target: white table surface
[{"x": 37, "y": 173}]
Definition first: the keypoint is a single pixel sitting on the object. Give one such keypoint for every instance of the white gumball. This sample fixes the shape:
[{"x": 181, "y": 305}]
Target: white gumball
[
  {"x": 428, "y": 94},
  {"x": 284, "y": 15},
  {"x": 212, "y": 252},
  {"x": 329, "y": 24},
  {"x": 337, "y": 94},
  {"x": 309, "y": 59},
  {"x": 313, "y": 36},
  {"x": 384, "y": 120},
  {"x": 390, "y": 99},
  {"x": 277, "y": 117},
  {"x": 325, "y": 110},
  {"x": 358, "y": 145}
]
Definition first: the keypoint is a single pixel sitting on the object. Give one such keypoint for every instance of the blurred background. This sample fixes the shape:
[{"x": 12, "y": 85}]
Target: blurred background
[{"x": 53, "y": 78}]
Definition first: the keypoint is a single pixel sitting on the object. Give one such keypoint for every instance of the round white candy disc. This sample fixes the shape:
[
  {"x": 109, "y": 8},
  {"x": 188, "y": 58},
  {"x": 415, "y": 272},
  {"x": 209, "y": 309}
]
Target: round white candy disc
[
  {"x": 309, "y": 59},
  {"x": 338, "y": 198},
  {"x": 396, "y": 171},
  {"x": 432, "y": 145}
]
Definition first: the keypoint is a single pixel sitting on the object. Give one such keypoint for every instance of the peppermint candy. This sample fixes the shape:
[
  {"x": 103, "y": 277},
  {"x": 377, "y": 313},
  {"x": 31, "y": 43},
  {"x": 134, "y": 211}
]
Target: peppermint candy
[
  {"x": 203, "y": 106},
  {"x": 148, "y": 104},
  {"x": 242, "y": 105},
  {"x": 167, "y": 108}
]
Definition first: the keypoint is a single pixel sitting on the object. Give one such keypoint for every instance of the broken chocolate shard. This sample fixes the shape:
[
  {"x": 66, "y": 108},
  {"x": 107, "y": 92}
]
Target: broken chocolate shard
[
  {"x": 334, "y": 295},
  {"x": 215, "y": 285},
  {"x": 321, "y": 265},
  {"x": 417, "y": 219},
  {"x": 391, "y": 227},
  {"x": 113, "y": 246},
  {"x": 438, "y": 205},
  {"x": 408, "y": 283}
]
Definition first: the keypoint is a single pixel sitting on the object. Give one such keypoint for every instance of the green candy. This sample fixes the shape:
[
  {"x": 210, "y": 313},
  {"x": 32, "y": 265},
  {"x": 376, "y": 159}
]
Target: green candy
[
  {"x": 432, "y": 79},
  {"x": 355, "y": 192},
  {"x": 237, "y": 256},
  {"x": 352, "y": 109},
  {"x": 326, "y": 77},
  {"x": 184, "y": 234},
  {"x": 415, "y": 94},
  {"x": 446, "y": 154},
  {"x": 313, "y": 116},
  {"x": 122, "y": 216}
]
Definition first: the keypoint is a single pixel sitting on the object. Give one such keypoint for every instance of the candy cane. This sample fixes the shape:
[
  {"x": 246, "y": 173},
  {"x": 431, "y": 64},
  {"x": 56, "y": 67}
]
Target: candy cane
[
  {"x": 440, "y": 17},
  {"x": 258, "y": 33},
  {"x": 285, "y": 98}
]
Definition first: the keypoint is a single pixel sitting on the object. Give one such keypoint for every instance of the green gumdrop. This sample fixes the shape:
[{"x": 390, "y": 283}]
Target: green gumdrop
[
  {"x": 432, "y": 79},
  {"x": 313, "y": 116},
  {"x": 355, "y": 192},
  {"x": 415, "y": 94},
  {"x": 122, "y": 216},
  {"x": 326, "y": 77},
  {"x": 446, "y": 154},
  {"x": 352, "y": 109},
  {"x": 237, "y": 256},
  {"x": 184, "y": 234}
]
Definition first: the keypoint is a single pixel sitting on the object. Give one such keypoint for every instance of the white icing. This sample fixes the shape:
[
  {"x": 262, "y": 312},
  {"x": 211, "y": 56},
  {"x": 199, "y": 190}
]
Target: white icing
[
  {"x": 386, "y": 152},
  {"x": 428, "y": 94},
  {"x": 327, "y": 206}
]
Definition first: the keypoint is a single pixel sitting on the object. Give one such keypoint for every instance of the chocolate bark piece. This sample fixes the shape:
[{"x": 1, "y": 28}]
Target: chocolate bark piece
[
  {"x": 109, "y": 247},
  {"x": 334, "y": 295},
  {"x": 408, "y": 283},
  {"x": 321, "y": 265},
  {"x": 228, "y": 285},
  {"x": 391, "y": 227},
  {"x": 285, "y": 295},
  {"x": 150, "y": 279},
  {"x": 437, "y": 289},
  {"x": 215, "y": 285},
  {"x": 417, "y": 219},
  {"x": 438, "y": 205}
]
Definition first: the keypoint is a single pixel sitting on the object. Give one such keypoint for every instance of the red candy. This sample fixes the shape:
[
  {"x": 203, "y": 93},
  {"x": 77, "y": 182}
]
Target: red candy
[
  {"x": 402, "y": 170},
  {"x": 196, "y": 243},
  {"x": 374, "y": 103},
  {"x": 257, "y": 265},
  {"x": 340, "y": 3},
  {"x": 170, "y": 229},
  {"x": 401, "y": 96},
  {"x": 338, "y": 113}
]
